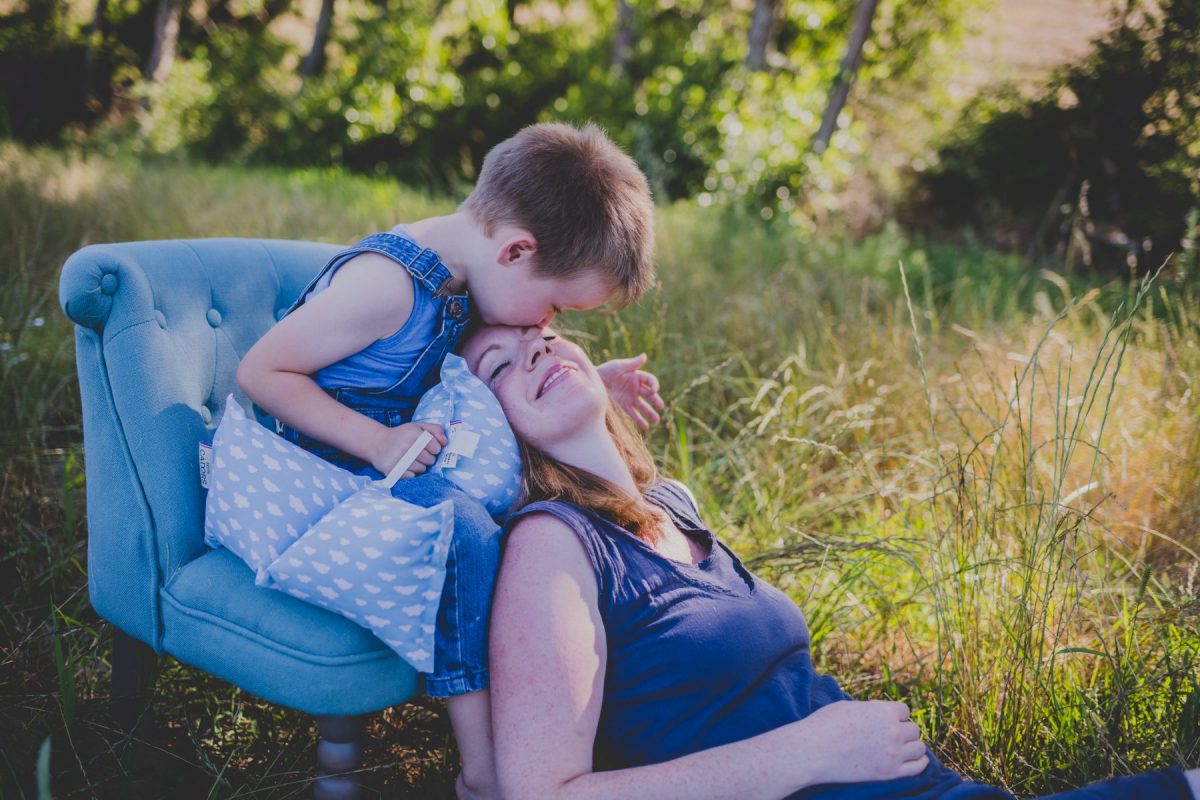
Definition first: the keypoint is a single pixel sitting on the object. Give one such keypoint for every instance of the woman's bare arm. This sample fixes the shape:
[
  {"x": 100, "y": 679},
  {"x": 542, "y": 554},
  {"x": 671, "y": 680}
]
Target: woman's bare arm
[{"x": 548, "y": 659}]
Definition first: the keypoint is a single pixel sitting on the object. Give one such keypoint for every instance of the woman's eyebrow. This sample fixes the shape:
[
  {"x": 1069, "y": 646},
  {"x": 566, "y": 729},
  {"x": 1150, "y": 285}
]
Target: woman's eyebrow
[{"x": 486, "y": 350}]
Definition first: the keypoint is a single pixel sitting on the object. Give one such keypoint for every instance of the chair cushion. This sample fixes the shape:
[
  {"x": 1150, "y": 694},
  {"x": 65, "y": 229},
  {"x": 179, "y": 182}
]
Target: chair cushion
[{"x": 276, "y": 646}]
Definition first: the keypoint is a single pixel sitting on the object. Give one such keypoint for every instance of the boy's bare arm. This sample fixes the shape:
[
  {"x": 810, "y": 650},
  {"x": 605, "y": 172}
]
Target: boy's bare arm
[{"x": 369, "y": 298}]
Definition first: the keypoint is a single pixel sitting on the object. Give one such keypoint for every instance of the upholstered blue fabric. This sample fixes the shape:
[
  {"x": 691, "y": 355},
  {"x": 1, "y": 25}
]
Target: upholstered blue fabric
[
  {"x": 275, "y": 646},
  {"x": 161, "y": 328}
]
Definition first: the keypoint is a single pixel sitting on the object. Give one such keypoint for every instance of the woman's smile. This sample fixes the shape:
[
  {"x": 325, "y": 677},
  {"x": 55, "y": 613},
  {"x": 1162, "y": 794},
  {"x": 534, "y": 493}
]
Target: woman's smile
[{"x": 554, "y": 377}]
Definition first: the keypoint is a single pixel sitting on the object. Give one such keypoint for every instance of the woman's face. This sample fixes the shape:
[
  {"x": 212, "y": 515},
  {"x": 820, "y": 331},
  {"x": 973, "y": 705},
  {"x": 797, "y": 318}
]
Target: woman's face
[{"x": 547, "y": 386}]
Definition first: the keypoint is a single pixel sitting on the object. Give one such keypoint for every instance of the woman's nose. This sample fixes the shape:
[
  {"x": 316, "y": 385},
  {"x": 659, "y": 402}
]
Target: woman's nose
[{"x": 538, "y": 347}]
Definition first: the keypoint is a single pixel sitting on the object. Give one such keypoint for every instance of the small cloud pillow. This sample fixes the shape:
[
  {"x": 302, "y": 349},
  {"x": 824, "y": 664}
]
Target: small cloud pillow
[
  {"x": 378, "y": 561},
  {"x": 482, "y": 456},
  {"x": 265, "y": 492}
]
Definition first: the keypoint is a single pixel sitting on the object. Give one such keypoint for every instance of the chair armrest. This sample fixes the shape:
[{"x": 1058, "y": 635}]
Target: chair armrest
[{"x": 162, "y": 327}]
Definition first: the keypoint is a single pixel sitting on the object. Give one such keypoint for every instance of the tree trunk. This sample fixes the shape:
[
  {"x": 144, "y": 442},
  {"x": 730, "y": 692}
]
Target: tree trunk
[
  {"x": 166, "y": 35},
  {"x": 314, "y": 63},
  {"x": 760, "y": 34},
  {"x": 623, "y": 37},
  {"x": 95, "y": 37},
  {"x": 863, "y": 18}
]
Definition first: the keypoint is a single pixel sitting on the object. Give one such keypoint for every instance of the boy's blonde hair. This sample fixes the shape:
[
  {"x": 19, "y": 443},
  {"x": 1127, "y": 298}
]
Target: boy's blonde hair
[{"x": 585, "y": 201}]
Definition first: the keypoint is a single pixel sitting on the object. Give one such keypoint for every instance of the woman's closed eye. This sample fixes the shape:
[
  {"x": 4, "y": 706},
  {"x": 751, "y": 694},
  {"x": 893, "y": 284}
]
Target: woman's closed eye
[
  {"x": 505, "y": 364},
  {"x": 496, "y": 372}
]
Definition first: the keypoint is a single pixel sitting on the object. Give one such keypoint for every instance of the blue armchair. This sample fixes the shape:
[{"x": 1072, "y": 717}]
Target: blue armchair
[{"x": 161, "y": 327}]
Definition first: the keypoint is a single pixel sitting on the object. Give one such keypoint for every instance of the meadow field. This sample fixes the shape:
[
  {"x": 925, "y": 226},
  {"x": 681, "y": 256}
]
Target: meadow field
[{"x": 978, "y": 477}]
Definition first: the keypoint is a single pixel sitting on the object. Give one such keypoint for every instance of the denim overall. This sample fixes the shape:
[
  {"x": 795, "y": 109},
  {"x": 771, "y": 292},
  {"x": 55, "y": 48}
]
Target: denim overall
[{"x": 384, "y": 381}]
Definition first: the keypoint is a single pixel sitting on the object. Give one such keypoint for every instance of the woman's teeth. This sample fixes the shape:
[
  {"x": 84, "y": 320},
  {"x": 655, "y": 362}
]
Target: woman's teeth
[{"x": 558, "y": 374}]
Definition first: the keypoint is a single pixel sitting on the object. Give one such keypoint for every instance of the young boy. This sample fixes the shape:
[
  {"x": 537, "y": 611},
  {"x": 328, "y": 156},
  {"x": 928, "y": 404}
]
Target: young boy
[{"x": 559, "y": 219}]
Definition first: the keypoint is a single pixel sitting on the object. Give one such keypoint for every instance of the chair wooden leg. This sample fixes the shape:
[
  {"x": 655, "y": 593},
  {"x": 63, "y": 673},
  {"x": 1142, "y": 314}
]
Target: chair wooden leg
[
  {"x": 134, "y": 665},
  {"x": 339, "y": 755}
]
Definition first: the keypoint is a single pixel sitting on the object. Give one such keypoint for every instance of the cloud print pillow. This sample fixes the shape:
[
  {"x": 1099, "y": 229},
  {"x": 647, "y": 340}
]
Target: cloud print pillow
[
  {"x": 482, "y": 456},
  {"x": 326, "y": 536},
  {"x": 336, "y": 539},
  {"x": 378, "y": 561},
  {"x": 265, "y": 492}
]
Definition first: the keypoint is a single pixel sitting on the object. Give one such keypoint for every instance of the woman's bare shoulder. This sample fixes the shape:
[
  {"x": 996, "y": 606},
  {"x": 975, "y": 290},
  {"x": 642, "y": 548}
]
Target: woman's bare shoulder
[{"x": 542, "y": 540}]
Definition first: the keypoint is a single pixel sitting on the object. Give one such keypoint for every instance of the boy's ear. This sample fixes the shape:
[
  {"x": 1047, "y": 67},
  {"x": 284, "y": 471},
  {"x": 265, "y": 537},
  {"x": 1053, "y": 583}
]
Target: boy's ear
[{"x": 517, "y": 246}]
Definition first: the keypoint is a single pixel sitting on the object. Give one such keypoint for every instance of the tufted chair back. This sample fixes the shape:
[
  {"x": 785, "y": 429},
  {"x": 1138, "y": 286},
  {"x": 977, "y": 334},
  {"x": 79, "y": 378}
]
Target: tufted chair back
[{"x": 161, "y": 327}]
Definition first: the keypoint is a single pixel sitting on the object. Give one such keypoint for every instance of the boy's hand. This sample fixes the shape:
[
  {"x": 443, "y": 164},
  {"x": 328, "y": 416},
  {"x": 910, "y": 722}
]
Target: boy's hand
[
  {"x": 634, "y": 390},
  {"x": 390, "y": 447}
]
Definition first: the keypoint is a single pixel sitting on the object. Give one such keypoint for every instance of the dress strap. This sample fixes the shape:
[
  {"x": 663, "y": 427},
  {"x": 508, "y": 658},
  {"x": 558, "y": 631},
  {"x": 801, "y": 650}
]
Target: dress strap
[
  {"x": 421, "y": 263},
  {"x": 677, "y": 499}
]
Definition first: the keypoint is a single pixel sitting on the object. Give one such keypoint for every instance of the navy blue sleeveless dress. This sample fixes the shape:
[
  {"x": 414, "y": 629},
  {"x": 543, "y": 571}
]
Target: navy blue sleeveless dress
[{"x": 708, "y": 654}]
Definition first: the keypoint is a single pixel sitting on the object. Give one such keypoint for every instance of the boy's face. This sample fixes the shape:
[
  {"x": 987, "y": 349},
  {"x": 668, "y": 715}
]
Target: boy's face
[{"x": 512, "y": 295}]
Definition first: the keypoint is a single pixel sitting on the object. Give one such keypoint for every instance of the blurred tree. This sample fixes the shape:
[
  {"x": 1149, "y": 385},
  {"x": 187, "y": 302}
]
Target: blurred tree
[
  {"x": 314, "y": 62},
  {"x": 95, "y": 37},
  {"x": 166, "y": 35},
  {"x": 623, "y": 37},
  {"x": 864, "y": 15},
  {"x": 761, "y": 22},
  {"x": 1108, "y": 157},
  {"x": 423, "y": 88}
]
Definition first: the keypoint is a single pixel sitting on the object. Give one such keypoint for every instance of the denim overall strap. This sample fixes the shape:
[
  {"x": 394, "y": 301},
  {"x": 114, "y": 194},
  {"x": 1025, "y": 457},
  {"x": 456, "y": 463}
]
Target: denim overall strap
[{"x": 421, "y": 263}]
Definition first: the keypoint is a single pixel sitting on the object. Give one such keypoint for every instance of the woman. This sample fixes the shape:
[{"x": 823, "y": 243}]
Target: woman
[{"x": 632, "y": 654}]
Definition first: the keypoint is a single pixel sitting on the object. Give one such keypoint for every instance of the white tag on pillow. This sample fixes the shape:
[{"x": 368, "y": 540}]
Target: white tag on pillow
[
  {"x": 205, "y": 464},
  {"x": 462, "y": 441}
]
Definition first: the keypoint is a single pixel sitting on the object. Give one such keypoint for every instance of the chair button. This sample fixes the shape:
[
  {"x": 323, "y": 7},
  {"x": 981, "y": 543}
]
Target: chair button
[
  {"x": 108, "y": 284},
  {"x": 214, "y": 318}
]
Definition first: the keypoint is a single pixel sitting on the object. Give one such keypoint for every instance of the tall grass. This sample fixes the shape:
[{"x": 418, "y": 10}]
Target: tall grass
[{"x": 982, "y": 492}]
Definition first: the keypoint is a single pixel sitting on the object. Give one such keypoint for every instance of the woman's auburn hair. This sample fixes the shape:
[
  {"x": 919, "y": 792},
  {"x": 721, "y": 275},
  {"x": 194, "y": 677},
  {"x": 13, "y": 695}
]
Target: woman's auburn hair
[{"x": 546, "y": 478}]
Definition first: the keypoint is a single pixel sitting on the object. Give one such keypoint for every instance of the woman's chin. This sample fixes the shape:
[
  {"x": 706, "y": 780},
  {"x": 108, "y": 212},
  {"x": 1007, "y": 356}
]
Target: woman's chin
[{"x": 565, "y": 410}]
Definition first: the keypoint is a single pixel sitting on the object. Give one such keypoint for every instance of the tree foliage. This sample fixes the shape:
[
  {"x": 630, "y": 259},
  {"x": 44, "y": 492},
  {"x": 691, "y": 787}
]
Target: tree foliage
[
  {"x": 1104, "y": 167},
  {"x": 422, "y": 89}
]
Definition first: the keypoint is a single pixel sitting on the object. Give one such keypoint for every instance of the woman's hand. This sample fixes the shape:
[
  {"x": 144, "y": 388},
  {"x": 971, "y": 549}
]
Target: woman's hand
[
  {"x": 633, "y": 389},
  {"x": 865, "y": 740},
  {"x": 391, "y": 445}
]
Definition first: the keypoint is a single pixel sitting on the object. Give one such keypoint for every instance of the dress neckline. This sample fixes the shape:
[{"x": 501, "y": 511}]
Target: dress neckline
[{"x": 699, "y": 534}]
